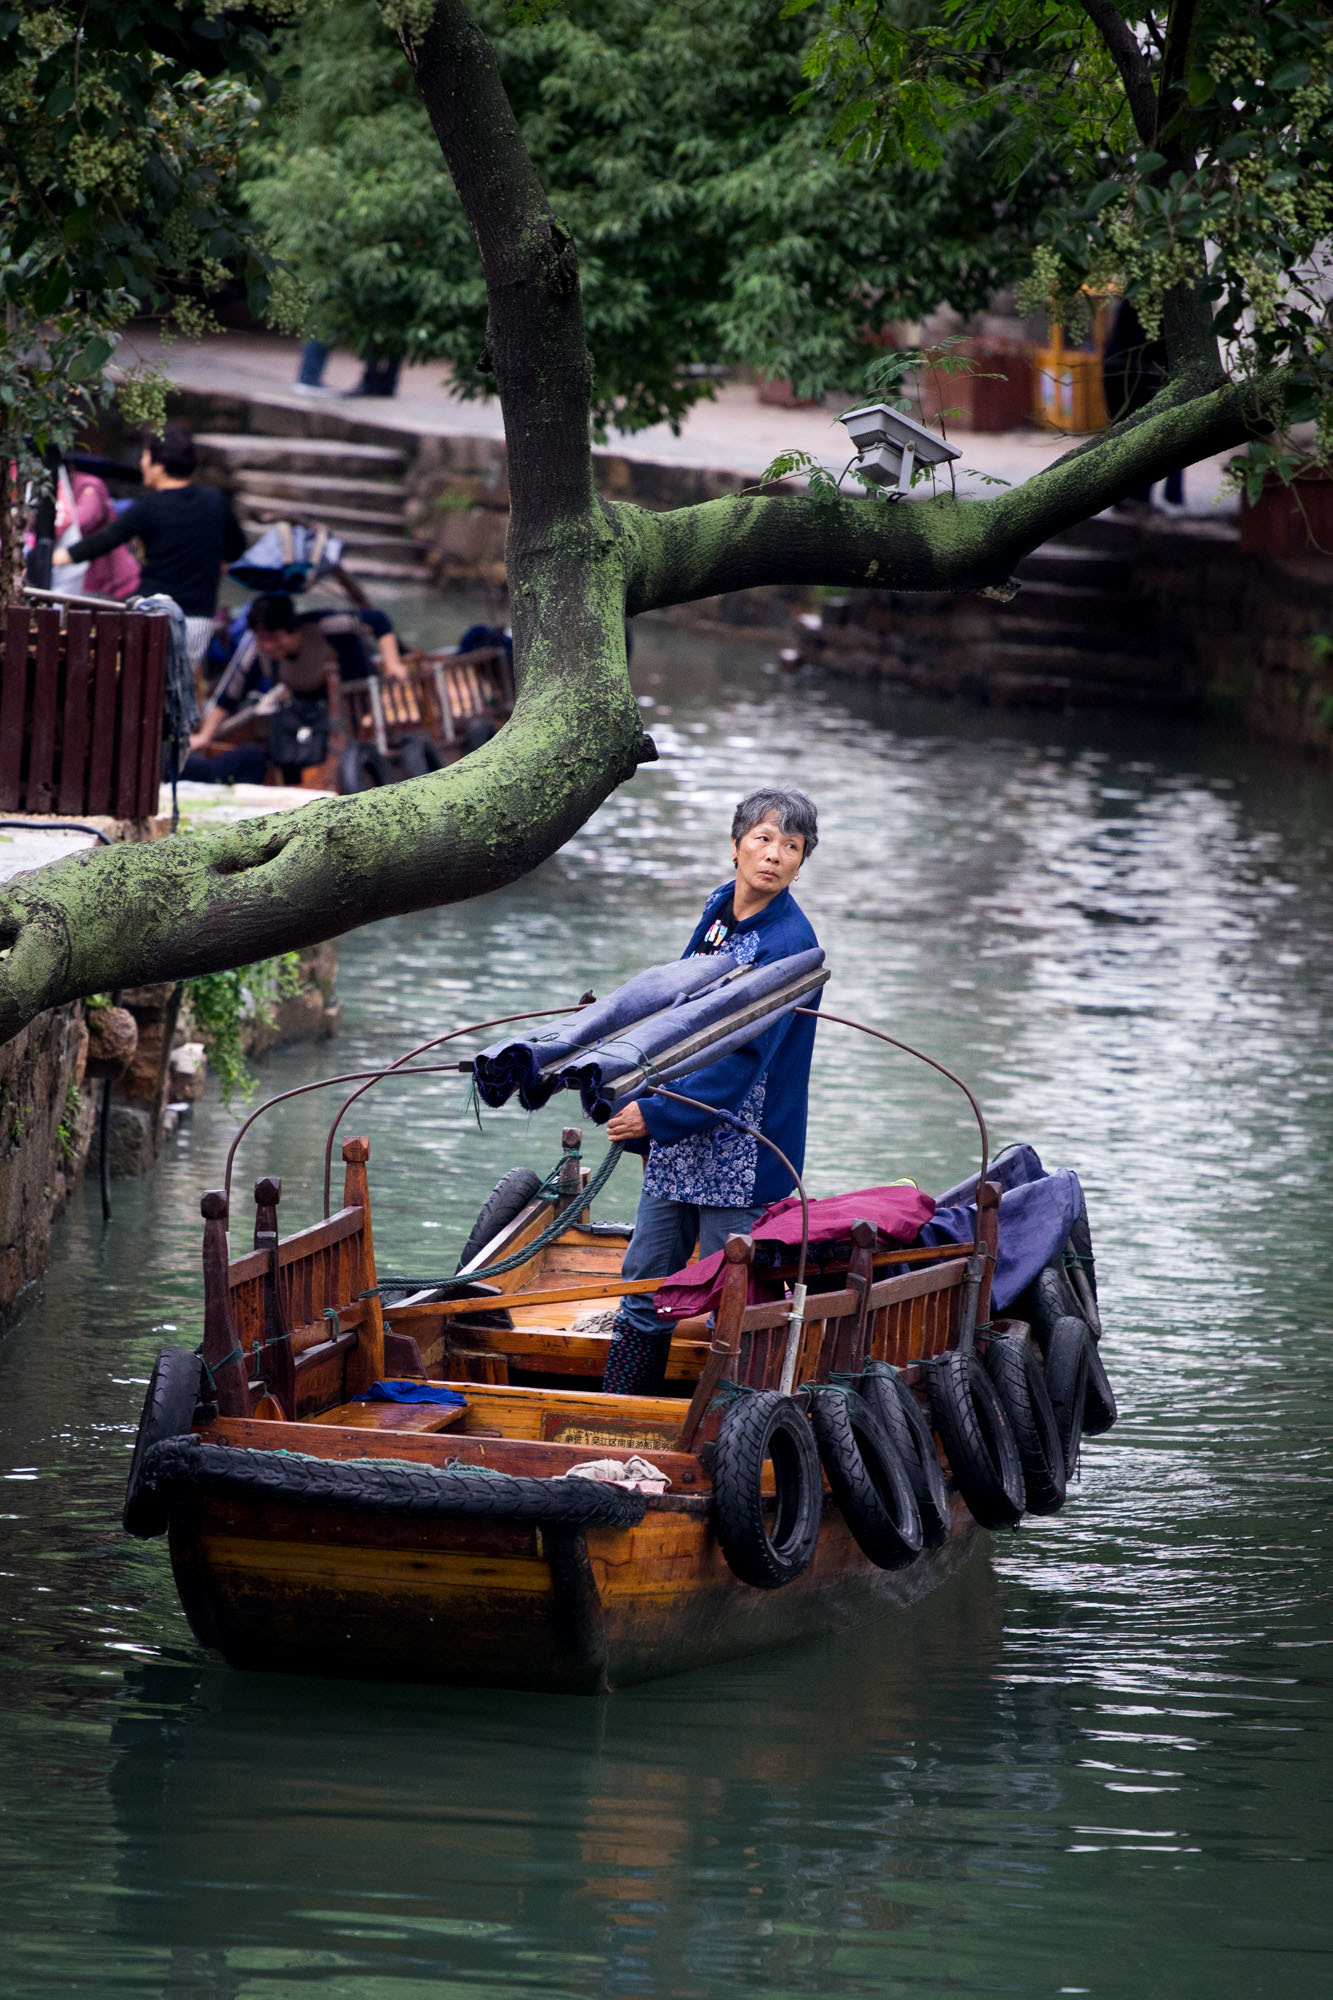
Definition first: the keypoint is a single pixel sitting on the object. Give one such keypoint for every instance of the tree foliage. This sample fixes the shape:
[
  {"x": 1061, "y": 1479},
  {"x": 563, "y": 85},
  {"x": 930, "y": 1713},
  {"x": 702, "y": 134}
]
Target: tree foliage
[
  {"x": 120, "y": 132},
  {"x": 1191, "y": 140},
  {"x": 715, "y": 226},
  {"x": 578, "y": 563}
]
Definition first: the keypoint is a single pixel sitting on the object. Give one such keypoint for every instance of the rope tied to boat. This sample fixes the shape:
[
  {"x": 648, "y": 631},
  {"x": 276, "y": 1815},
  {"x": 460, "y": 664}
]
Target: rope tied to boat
[
  {"x": 211, "y": 1374},
  {"x": 549, "y": 1188}
]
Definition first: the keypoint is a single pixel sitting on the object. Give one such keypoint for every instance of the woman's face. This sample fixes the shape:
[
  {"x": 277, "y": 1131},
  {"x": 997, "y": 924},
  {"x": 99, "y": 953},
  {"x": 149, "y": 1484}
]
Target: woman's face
[{"x": 767, "y": 859}]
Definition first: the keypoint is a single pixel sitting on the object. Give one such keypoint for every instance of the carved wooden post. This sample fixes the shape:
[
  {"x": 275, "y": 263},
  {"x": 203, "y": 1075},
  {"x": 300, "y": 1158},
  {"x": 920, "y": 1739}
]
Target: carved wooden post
[
  {"x": 222, "y": 1350},
  {"x": 701, "y": 1420},
  {"x": 277, "y": 1362},
  {"x": 988, "y": 1238},
  {"x": 848, "y": 1345},
  {"x": 571, "y": 1179},
  {"x": 365, "y": 1364}
]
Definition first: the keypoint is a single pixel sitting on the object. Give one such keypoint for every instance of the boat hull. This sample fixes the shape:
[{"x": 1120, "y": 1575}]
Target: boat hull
[{"x": 297, "y": 1589}]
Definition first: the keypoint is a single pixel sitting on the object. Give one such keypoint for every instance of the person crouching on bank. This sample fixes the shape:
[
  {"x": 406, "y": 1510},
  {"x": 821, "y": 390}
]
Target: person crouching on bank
[{"x": 704, "y": 1180}]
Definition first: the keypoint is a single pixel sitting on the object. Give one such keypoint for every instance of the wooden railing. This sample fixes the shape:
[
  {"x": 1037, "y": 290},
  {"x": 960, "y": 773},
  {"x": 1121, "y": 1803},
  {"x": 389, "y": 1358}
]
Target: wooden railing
[
  {"x": 268, "y": 1344},
  {"x": 911, "y": 1316},
  {"x": 81, "y": 703}
]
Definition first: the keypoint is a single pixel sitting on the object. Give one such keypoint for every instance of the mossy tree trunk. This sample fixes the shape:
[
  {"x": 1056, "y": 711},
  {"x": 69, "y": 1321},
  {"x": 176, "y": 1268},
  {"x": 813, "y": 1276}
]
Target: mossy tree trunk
[{"x": 124, "y": 916}]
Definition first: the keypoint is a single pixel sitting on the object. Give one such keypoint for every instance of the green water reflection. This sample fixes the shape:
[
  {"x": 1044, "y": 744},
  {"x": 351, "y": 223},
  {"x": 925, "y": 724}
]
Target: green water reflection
[{"x": 1097, "y": 1762}]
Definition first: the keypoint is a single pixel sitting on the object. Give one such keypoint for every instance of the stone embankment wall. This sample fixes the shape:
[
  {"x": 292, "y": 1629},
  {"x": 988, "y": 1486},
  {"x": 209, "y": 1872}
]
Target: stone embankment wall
[
  {"x": 168, "y": 1066},
  {"x": 46, "y": 1121},
  {"x": 52, "y": 1076},
  {"x": 1151, "y": 614}
]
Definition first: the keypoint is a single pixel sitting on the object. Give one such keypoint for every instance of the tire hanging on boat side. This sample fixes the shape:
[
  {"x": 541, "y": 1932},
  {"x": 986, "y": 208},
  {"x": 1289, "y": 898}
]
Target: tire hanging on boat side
[
  {"x": 1016, "y": 1372},
  {"x": 1067, "y": 1382},
  {"x": 978, "y": 1440},
  {"x": 174, "y": 1391},
  {"x": 867, "y": 1477},
  {"x": 506, "y": 1200},
  {"x": 1099, "y": 1404},
  {"x": 760, "y": 1426},
  {"x": 900, "y": 1413}
]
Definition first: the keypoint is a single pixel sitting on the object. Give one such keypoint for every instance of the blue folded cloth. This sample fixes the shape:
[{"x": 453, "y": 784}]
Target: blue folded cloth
[
  {"x": 409, "y": 1392},
  {"x": 1037, "y": 1212}
]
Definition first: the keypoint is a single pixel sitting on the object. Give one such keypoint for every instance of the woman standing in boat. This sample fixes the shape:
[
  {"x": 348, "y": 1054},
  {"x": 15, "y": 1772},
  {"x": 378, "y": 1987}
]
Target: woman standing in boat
[{"x": 704, "y": 1180}]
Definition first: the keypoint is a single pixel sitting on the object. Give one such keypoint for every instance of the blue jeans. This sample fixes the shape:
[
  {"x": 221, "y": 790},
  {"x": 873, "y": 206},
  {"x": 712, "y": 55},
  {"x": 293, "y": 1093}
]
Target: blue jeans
[
  {"x": 311, "y": 372},
  {"x": 665, "y": 1233}
]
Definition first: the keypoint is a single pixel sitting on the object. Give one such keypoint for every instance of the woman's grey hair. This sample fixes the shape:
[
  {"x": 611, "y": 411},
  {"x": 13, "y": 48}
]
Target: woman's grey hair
[{"x": 793, "y": 811}]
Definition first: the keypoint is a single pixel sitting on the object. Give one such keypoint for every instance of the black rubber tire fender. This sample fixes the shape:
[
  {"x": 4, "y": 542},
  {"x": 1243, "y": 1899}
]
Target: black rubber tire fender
[
  {"x": 362, "y": 768},
  {"x": 1067, "y": 1354},
  {"x": 1080, "y": 1242},
  {"x": 867, "y": 1478},
  {"x": 902, "y": 1417},
  {"x": 978, "y": 1440},
  {"x": 1050, "y": 1297},
  {"x": 1099, "y": 1404},
  {"x": 506, "y": 1200},
  {"x": 187, "y": 1466},
  {"x": 418, "y": 757},
  {"x": 1016, "y": 1372},
  {"x": 762, "y": 1425},
  {"x": 175, "y": 1389}
]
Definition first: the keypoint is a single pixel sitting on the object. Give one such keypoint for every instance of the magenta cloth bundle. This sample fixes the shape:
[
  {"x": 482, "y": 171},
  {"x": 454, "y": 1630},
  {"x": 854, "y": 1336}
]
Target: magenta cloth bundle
[{"x": 898, "y": 1213}]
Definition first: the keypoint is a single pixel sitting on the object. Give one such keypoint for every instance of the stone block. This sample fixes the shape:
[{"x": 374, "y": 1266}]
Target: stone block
[{"x": 187, "y": 1072}]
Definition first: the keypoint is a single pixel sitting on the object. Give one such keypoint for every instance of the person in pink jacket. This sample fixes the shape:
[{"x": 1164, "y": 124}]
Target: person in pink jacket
[{"x": 84, "y": 505}]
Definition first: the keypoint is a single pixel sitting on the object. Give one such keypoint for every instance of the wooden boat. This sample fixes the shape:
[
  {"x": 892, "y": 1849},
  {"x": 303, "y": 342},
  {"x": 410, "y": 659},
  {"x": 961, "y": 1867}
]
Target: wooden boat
[
  {"x": 447, "y": 704},
  {"x": 314, "y": 1532}
]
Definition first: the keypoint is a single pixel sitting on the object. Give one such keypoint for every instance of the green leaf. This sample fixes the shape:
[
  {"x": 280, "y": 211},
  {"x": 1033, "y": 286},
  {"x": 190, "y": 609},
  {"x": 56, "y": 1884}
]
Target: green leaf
[
  {"x": 92, "y": 357},
  {"x": 51, "y": 292},
  {"x": 1148, "y": 163}
]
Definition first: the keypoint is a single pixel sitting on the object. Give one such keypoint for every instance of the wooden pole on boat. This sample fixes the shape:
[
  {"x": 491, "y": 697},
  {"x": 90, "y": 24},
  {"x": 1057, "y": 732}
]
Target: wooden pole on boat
[
  {"x": 277, "y": 1363},
  {"x": 738, "y": 1254},
  {"x": 222, "y": 1350},
  {"x": 365, "y": 1364}
]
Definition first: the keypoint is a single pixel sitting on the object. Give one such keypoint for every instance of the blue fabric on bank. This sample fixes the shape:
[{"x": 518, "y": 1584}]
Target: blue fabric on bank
[
  {"x": 409, "y": 1392},
  {"x": 1037, "y": 1212}
]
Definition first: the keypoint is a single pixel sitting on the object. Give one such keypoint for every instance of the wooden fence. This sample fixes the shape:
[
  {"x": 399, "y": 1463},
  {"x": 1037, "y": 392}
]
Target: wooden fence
[{"x": 81, "y": 706}]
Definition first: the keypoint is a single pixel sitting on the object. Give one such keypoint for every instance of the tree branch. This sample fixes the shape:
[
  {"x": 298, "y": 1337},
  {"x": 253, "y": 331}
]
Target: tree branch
[
  {"x": 536, "y": 337},
  {"x": 1123, "y": 46},
  {"x": 943, "y": 544}
]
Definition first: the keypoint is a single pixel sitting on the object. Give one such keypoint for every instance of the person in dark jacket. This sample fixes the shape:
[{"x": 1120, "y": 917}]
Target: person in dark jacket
[
  {"x": 704, "y": 1180},
  {"x": 188, "y": 532}
]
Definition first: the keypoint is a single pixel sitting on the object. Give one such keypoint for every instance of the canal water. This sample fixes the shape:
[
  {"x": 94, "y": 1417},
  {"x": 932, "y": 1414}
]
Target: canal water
[{"x": 1096, "y": 1762}]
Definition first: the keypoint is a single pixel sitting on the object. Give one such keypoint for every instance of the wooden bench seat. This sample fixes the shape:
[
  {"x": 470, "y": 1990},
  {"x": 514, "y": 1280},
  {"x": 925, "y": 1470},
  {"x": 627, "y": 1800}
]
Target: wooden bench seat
[{"x": 393, "y": 1416}]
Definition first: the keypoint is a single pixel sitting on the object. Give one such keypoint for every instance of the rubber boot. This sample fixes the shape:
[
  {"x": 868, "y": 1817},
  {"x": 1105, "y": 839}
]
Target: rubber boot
[{"x": 636, "y": 1362}]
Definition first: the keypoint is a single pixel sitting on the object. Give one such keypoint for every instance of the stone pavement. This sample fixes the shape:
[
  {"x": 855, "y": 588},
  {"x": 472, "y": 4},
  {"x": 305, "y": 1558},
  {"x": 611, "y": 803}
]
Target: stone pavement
[{"x": 733, "y": 433}]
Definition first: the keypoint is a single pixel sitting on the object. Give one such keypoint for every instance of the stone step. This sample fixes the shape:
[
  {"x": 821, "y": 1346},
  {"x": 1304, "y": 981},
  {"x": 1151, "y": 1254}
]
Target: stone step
[
  {"x": 1074, "y": 663},
  {"x": 1076, "y": 604},
  {"x": 1116, "y": 635},
  {"x": 316, "y": 488},
  {"x": 1014, "y": 690},
  {"x": 1103, "y": 531},
  {"x": 269, "y": 507},
  {"x": 392, "y": 542},
  {"x": 1061, "y": 562},
  {"x": 380, "y": 570},
  {"x": 242, "y": 450}
]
